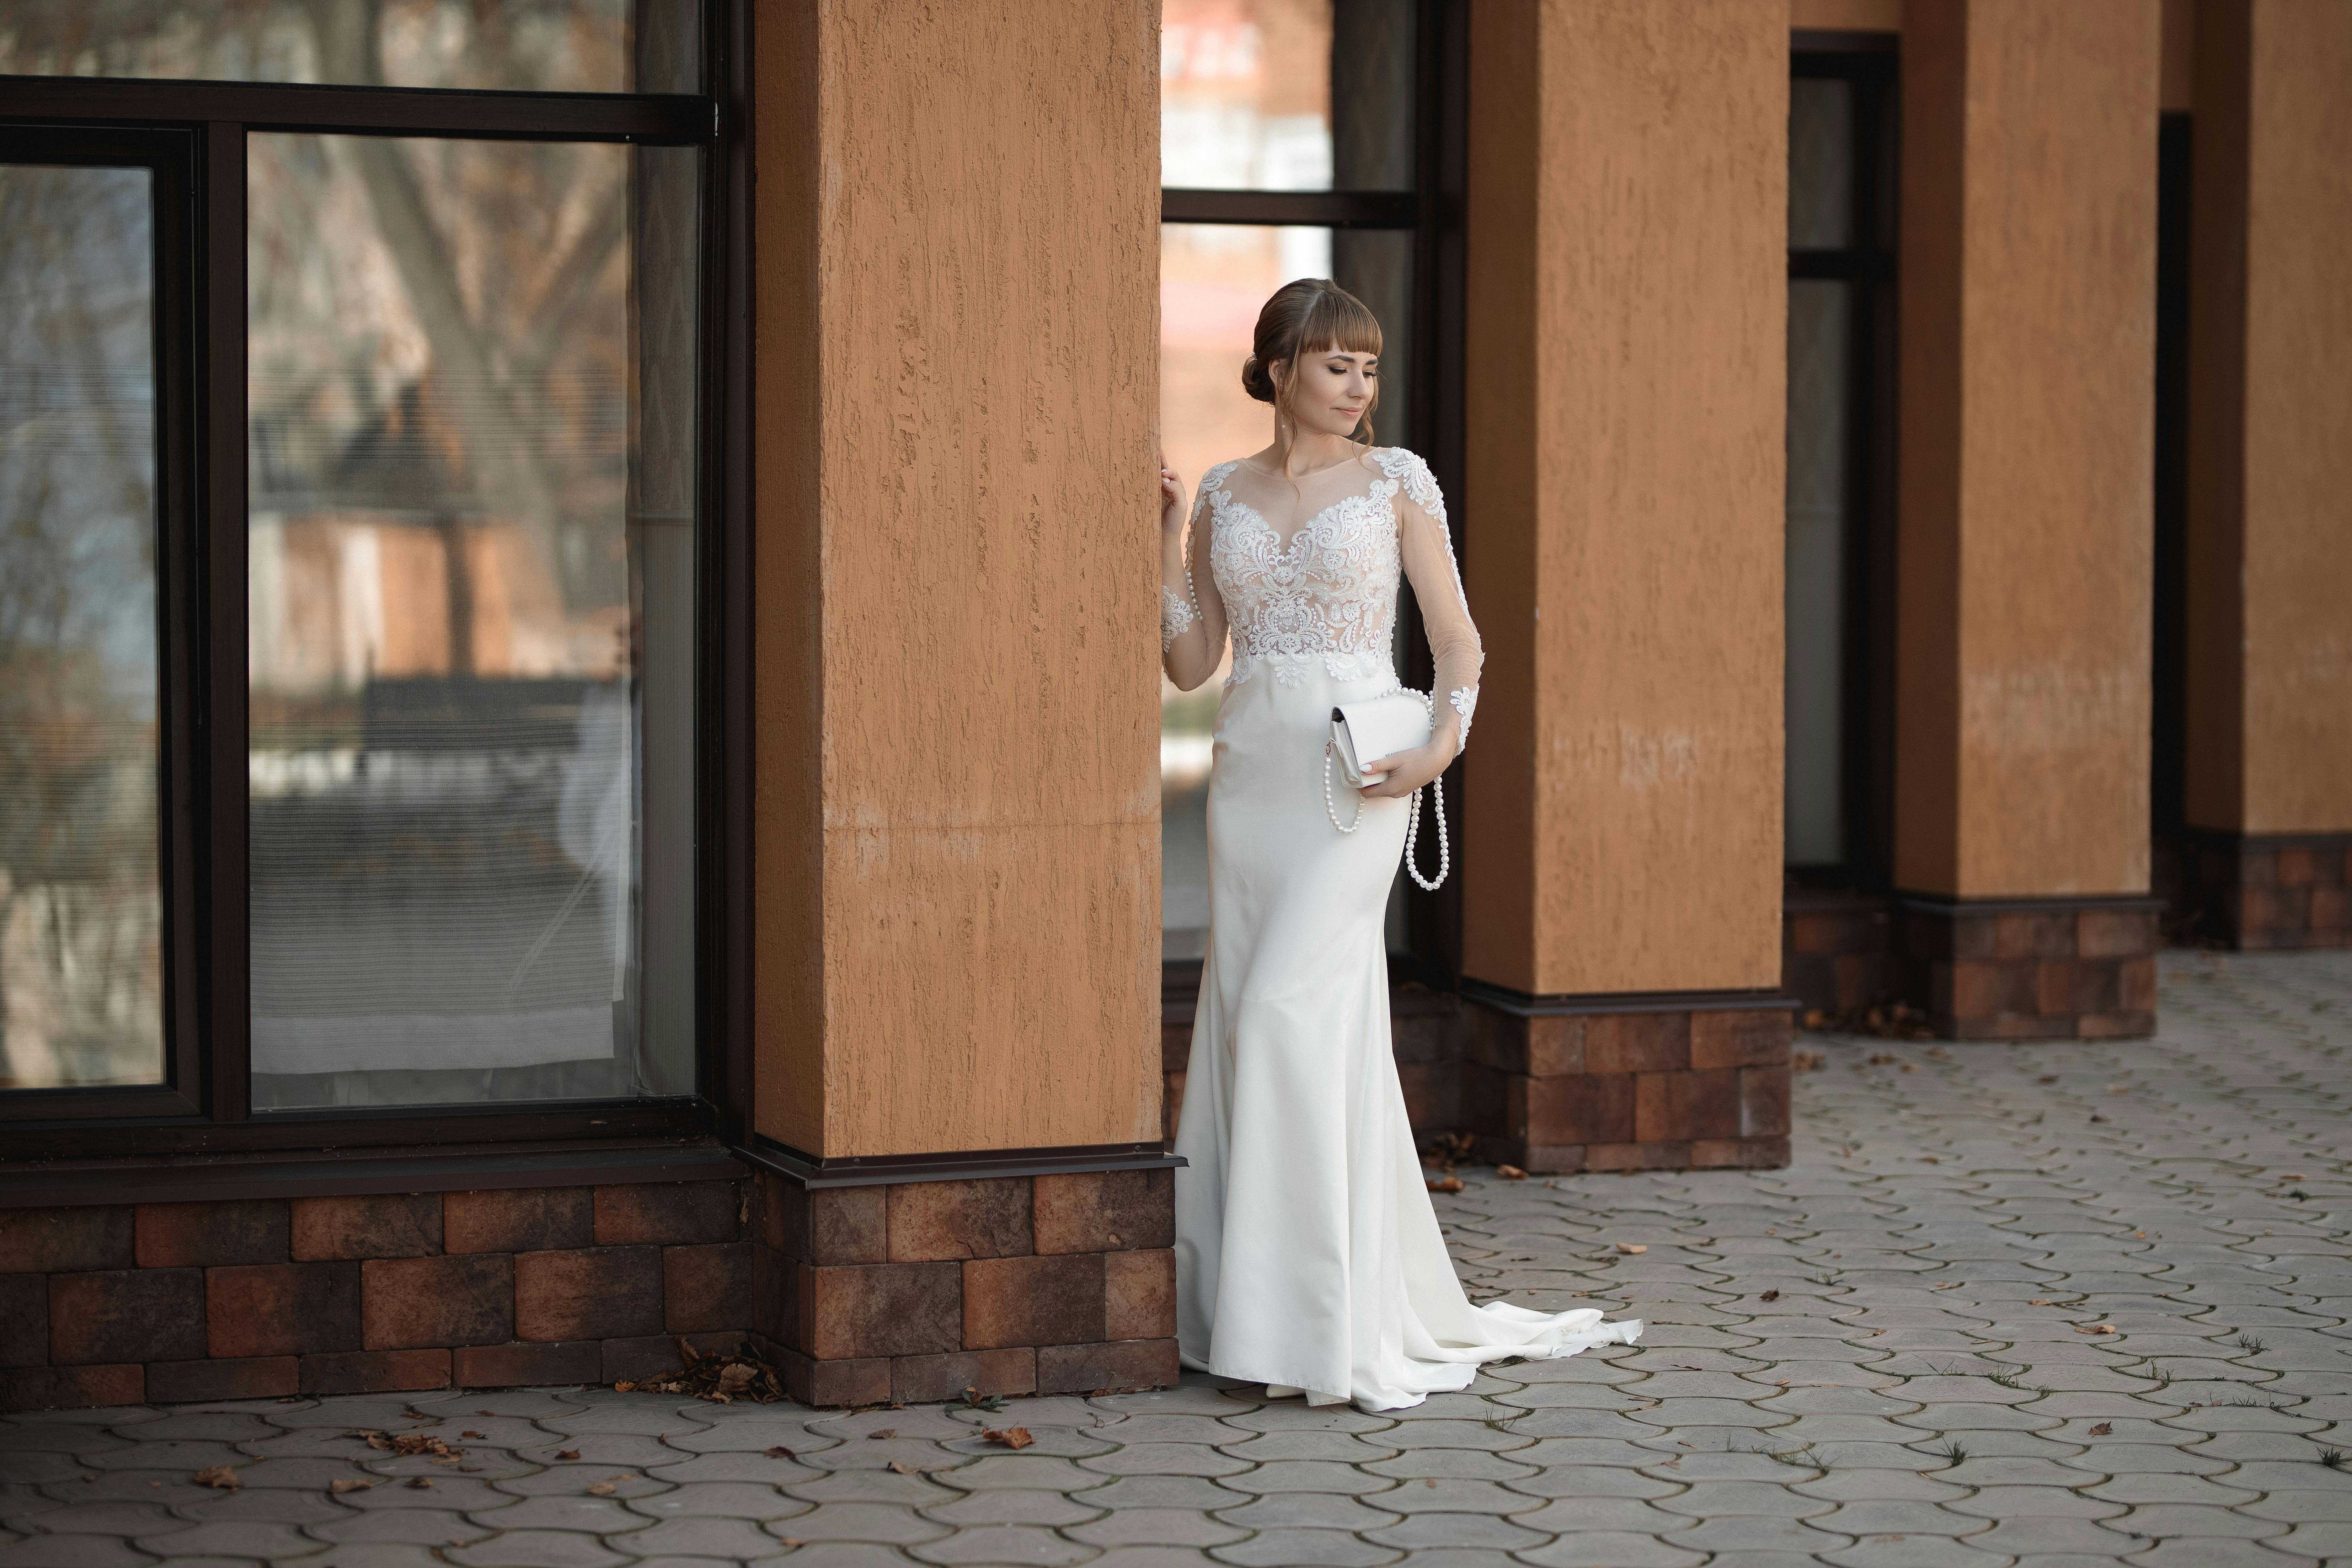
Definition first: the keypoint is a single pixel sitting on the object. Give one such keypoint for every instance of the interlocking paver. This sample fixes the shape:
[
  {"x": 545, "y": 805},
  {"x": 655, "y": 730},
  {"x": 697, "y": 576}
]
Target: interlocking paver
[{"x": 1816, "y": 1427}]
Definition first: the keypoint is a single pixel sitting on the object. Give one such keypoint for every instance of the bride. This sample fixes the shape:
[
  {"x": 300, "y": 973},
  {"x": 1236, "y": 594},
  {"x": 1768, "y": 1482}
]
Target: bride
[{"x": 1308, "y": 1256}]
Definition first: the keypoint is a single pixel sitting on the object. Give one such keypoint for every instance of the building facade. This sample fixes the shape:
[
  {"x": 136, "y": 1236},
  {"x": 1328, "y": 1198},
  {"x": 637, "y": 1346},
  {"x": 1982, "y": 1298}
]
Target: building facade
[{"x": 576, "y": 693}]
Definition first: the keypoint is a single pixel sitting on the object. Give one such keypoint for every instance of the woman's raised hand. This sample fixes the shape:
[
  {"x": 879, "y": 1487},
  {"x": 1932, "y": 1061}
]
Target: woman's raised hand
[{"x": 1171, "y": 498}]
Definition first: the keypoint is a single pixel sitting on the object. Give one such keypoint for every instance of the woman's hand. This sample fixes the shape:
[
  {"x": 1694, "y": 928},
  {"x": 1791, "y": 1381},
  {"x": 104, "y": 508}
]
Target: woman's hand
[
  {"x": 1408, "y": 771},
  {"x": 1171, "y": 500}
]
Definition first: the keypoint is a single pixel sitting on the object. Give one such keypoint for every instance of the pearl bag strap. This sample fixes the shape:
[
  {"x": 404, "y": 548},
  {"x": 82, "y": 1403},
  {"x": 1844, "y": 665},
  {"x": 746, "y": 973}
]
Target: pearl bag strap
[{"x": 1413, "y": 825}]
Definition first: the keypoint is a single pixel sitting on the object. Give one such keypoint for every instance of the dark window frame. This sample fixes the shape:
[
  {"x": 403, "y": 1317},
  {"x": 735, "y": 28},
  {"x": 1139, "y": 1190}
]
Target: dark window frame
[
  {"x": 201, "y": 486},
  {"x": 1431, "y": 212},
  {"x": 1871, "y": 61}
]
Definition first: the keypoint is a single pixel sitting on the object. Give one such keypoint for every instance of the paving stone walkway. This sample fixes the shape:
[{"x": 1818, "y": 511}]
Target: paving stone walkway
[{"x": 2055, "y": 1305}]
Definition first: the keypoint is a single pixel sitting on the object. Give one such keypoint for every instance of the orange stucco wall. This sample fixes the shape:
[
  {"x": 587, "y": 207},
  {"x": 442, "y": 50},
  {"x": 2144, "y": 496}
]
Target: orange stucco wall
[
  {"x": 957, "y": 940},
  {"x": 1624, "y": 492},
  {"x": 1847, "y": 16},
  {"x": 2028, "y": 345},
  {"x": 2269, "y": 577}
]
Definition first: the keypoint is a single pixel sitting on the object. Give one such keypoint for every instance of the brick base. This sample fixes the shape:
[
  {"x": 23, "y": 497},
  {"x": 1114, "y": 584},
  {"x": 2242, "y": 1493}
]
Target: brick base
[
  {"x": 2270, "y": 890},
  {"x": 916, "y": 1291},
  {"x": 2032, "y": 969},
  {"x": 1656, "y": 1081},
  {"x": 121, "y": 1304},
  {"x": 1838, "y": 950}
]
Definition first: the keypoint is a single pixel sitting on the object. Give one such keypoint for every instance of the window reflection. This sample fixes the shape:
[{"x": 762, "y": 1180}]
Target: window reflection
[
  {"x": 469, "y": 565},
  {"x": 551, "y": 45},
  {"x": 1245, "y": 94},
  {"x": 81, "y": 974}
]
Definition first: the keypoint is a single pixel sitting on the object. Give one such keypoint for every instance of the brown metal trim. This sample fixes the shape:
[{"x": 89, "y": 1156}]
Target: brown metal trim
[
  {"x": 1322, "y": 210},
  {"x": 126, "y": 1134},
  {"x": 1841, "y": 41},
  {"x": 724, "y": 887},
  {"x": 217, "y": 1181},
  {"x": 220, "y": 607},
  {"x": 366, "y": 111},
  {"x": 964, "y": 1165},
  {"x": 1950, "y": 908},
  {"x": 1555, "y": 1004},
  {"x": 2232, "y": 839}
]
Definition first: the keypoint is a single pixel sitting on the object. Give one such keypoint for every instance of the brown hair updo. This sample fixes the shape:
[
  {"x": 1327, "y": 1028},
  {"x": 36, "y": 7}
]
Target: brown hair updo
[{"x": 1304, "y": 316}]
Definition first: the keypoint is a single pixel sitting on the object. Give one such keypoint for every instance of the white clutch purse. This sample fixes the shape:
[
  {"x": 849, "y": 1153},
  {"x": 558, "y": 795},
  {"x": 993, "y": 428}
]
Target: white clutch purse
[{"x": 1399, "y": 720}]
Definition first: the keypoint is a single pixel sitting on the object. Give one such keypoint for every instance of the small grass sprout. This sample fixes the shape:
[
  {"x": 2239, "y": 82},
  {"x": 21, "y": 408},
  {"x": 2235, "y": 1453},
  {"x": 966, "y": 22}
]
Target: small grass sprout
[
  {"x": 1952, "y": 1450},
  {"x": 2251, "y": 1345},
  {"x": 2332, "y": 1458}
]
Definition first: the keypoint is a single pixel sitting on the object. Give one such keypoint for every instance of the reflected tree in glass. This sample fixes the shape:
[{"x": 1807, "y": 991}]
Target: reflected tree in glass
[
  {"x": 570, "y": 46},
  {"x": 80, "y": 908},
  {"x": 471, "y": 378}
]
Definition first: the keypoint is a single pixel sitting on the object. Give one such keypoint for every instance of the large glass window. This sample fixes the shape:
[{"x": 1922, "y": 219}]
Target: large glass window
[
  {"x": 1840, "y": 333},
  {"x": 1288, "y": 148},
  {"x": 353, "y": 537},
  {"x": 81, "y": 973},
  {"x": 520, "y": 45},
  {"x": 448, "y": 622}
]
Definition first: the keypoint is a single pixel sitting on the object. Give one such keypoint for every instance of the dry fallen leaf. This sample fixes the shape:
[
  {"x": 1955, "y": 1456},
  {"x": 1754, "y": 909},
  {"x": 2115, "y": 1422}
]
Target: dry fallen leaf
[
  {"x": 469, "y": 1433},
  {"x": 779, "y": 1452},
  {"x": 420, "y": 1482},
  {"x": 2094, "y": 1327},
  {"x": 600, "y": 1488},
  {"x": 1946, "y": 1285},
  {"x": 902, "y": 1469},
  {"x": 2104, "y": 1430},
  {"x": 219, "y": 1476},
  {"x": 2293, "y": 1176},
  {"x": 348, "y": 1484},
  {"x": 1632, "y": 1247},
  {"x": 1010, "y": 1436},
  {"x": 567, "y": 1453},
  {"x": 1448, "y": 1184},
  {"x": 790, "y": 1539},
  {"x": 1771, "y": 1296},
  {"x": 2042, "y": 1301},
  {"x": 1510, "y": 1173},
  {"x": 2139, "y": 1236},
  {"x": 882, "y": 1432},
  {"x": 624, "y": 1386},
  {"x": 2047, "y": 1077}
]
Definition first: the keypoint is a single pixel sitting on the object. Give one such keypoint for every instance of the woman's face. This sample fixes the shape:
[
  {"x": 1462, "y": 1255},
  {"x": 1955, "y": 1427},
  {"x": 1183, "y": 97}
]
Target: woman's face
[{"x": 1334, "y": 388}]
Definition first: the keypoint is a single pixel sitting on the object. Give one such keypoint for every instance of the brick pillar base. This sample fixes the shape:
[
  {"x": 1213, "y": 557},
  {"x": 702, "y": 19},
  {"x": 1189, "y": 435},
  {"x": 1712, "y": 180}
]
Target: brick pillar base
[
  {"x": 907, "y": 1290},
  {"x": 1837, "y": 950},
  {"x": 1648, "y": 1081},
  {"x": 2032, "y": 969},
  {"x": 2259, "y": 890}
]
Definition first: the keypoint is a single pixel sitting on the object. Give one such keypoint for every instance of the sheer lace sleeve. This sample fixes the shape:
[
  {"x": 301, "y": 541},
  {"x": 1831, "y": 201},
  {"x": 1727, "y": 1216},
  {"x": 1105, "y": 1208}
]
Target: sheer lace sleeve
[
  {"x": 1191, "y": 614},
  {"x": 1427, "y": 548}
]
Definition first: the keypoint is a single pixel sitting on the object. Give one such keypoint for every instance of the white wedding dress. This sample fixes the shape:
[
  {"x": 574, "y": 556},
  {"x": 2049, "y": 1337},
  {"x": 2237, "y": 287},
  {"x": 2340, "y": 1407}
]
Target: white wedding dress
[{"x": 1307, "y": 1256}]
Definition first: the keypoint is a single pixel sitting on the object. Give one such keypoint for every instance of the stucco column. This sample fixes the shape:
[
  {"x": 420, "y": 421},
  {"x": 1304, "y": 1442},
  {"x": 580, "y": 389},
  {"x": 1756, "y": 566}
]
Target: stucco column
[
  {"x": 2269, "y": 721},
  {"x": 957, "y": 792},
  {"x": 1622, "y": 515},
  {"x": 2028, "y": 250}
]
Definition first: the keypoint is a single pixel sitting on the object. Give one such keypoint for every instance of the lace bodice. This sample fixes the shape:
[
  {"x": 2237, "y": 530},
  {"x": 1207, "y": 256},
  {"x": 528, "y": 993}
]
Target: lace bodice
[{"x": 1327, "y": 596}]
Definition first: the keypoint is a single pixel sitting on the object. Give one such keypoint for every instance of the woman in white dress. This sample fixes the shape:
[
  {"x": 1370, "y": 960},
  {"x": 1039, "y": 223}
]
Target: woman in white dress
[{"x": 1308, "y": 1256}]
